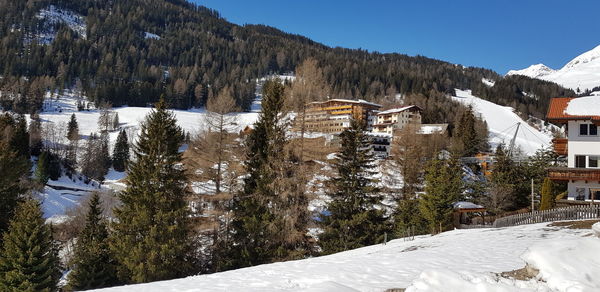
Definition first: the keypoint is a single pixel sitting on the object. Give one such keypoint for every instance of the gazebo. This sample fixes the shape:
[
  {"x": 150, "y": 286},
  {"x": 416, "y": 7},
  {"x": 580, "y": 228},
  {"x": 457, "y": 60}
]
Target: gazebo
[{"x": 462, "y": 212}]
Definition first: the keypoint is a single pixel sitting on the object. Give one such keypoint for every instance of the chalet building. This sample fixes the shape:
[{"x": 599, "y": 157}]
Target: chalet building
[
  {"x": 580, "y": 118},
  {"x": 333, "y": 116},
  {"x": 396, "y": 119}
]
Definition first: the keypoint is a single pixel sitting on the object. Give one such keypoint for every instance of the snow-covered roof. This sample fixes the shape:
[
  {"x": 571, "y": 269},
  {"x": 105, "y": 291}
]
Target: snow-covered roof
[
  {"x": 467, "y": 205},
  {"x": 377, "y": 134},
  {"x": 397, "y": 110},
  {"x": 584, "y": 106},
  {"x": 574, "y": 108},
  {"x": 360, "y": 101},
  {"x": 432, "y": 128}
]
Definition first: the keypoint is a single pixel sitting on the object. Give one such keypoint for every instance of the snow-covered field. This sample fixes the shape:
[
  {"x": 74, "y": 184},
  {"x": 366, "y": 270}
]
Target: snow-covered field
[
  {"x": 502, "y": 121},
  {"x": 582, "y": 73},
  {"x": 61, "y": 195},
  {"x": 459, "y": 260}
]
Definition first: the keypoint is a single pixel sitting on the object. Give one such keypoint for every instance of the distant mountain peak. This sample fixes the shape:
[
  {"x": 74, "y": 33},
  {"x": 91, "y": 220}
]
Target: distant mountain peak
[
  {"x": 533, "y": 71},
  {"x": 583, "y": 72}
]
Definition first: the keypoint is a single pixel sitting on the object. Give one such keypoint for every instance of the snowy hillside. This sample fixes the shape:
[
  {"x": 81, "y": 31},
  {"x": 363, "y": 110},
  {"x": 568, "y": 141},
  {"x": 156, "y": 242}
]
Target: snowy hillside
[
  {"x": 63, "y": 194},
  {"x": 502, "y": 123},
  {"x": 583, "y": 72},
  {"x": 53, "y": 16},
  {"x": 459, "y": 260}
]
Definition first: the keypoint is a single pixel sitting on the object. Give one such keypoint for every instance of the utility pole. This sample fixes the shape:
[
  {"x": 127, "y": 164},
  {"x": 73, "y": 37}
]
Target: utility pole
[{"x": 532, "y": 200}]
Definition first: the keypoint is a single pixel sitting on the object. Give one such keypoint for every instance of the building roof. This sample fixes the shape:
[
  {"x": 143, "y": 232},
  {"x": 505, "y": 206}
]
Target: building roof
[
  {"x": 467, "y": 205},
  {"x": 562, "y": 109},
  {"x": 426, "y": 129},
  {"x": 398, "y": 110},
  {"x": 360, "y": 101}
]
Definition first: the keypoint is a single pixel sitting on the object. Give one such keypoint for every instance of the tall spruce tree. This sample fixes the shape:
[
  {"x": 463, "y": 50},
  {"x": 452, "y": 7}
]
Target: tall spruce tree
[
  {"x": 14, "y": 170},
  {"x": 466, "y": 138},
  {"x": 268, "y": 214},
  {"x": 29, "y": 257},
  {"x": 92, "y": 265},
  {"x": 547, "y": 193},
  {"x": 443, "y": 187},
  {"x": 41, "y": 170},
  {"x": 354, "y": 221},
  {"x": 152, "y": 238},
  {"x": 121, "y": 152},
  {"x": 73, "y": 128}
]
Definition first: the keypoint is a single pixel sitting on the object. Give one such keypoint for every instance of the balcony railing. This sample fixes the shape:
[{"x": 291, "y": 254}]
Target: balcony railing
[
  {"x": 560, "y": 145},
  {"x": 568, "y": 173}
]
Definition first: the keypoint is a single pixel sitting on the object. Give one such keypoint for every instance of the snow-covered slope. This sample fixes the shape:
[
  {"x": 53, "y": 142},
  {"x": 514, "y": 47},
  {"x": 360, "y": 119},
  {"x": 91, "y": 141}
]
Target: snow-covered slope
[
  {"x": 533, "y": 71},
  {"x": 423, "y": 262},
  {"x": 54, "y": 15},
  {"x": 502, "y": 121},
  {"x": 583, "y": 72}
]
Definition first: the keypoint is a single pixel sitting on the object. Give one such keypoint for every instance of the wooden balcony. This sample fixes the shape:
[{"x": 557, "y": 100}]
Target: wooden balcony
[
  {"x": 572, "y": 174},
  {"x": 561, "y": 146}
]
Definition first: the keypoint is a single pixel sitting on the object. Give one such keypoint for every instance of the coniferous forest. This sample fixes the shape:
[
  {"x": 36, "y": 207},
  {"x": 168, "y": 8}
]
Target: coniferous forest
[{"x": 194, "y": 53}]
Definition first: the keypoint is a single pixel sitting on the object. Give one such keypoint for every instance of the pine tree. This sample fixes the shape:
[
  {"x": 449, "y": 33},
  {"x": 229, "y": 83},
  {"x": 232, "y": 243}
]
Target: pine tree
[
  {"x": 466, "y": 134},
  {"x": 152, "y": 234},
  {"x": 443, "y": 188},
  {"x": 105, "y": 160},
  {"x": 14, "y": 170},
  {"x": 92, "y": 265},
  {"x": 29, "y": 259},
  {"x": 41, "y": 170},
  {"x": 20, "y": 138},
  {"x": 121, "y": 152},
  {"x": 354, "y": 221},
  {"x": 268, "y": 214},
  {"x": 547, "y": 195},
  {"x": 73, "y": 128}
]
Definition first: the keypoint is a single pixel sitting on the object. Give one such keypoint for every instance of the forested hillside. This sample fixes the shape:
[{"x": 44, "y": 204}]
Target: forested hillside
[{"x": 132, "y": 52}]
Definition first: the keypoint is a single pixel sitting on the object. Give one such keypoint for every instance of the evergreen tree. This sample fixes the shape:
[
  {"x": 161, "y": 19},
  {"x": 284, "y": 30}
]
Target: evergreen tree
[
  {"x": 121, "y": 152},
  {"x": 105, "y": 160},
  {"x": 268, "y": 221},
  {"x": 73, "y": 128},
  {"x": 466, "y": 134},
  {"x": 29, "y": 259},
  {"x": 14, "y": 170},
  {"x": 92, "y": 265},
  {"x": 20, "y": 138},
  {"x": 443, "y": 188},
  {"x": 41, "y": 170},
  {"x": 354, "y": 221},
  {"x": 509, "y": 183},
  {"x": 547, "y": 195},
  {"x": 152, "y": 234}
]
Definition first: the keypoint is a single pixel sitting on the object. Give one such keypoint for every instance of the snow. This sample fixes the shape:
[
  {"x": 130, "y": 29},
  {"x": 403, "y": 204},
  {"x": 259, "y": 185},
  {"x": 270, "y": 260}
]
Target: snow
[
  {"x": 501, "y": 122},
  {"x": 488, "y": 82},
  {"x": 583, "y": 72},
  {"x": 466, "y": 205},
  {"x": 459, "y": 260},
  {"x": 149, "y": 35},
  {"x": 584, "y": 106},
  {"x": 596, "y": 229},
  {"x": 54, "y": 15},
  {"x": 430, "y": 129},
  {"x": 395, "y": 110},
  {"x": 192, "y": 121},
  {"x": 568, "y": 264}
]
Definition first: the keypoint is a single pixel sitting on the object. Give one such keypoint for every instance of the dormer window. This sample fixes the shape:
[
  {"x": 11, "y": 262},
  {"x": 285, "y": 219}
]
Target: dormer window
[{"x": 588, "y": 130}]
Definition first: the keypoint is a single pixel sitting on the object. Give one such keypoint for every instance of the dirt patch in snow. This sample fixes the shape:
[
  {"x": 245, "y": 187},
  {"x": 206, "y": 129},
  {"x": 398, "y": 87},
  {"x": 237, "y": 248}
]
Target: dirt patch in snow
[
  {"x": 523, "y": 274},
  {"x": 584, "y": 224}
]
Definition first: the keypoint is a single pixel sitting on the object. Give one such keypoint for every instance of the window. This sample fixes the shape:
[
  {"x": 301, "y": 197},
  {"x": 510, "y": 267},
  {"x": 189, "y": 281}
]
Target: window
[
  {"x": 593, "y": 130},
  {"x": 593, "y": 161},
  {"x": 583, "y": 129},
  {"x": 580, "y": 161},
  {"x": 588, "y": 130}
]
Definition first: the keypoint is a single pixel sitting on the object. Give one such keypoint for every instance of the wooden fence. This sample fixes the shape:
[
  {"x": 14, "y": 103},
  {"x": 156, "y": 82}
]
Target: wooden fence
[{"x": 557, "y": 214}]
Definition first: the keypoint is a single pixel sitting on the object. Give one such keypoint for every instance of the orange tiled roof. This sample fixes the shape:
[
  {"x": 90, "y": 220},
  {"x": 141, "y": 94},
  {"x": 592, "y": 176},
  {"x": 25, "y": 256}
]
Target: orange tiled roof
[{"x": 556, "y": 111}]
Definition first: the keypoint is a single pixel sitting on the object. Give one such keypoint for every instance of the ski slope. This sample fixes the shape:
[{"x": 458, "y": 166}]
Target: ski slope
[
  {"x": 459, "y": 260},
  {"x": 502, "y": 121}
]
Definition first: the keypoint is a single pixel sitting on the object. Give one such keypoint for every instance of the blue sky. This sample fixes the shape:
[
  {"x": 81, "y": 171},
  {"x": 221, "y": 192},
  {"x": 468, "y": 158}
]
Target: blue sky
[{"x": 495, "y": 34}]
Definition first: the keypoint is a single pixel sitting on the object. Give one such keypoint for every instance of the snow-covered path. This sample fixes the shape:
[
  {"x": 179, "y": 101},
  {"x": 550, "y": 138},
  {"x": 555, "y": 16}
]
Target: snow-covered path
[
  {"x": 501, "y": 121},
  {"x": 380, "y": 267}
]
